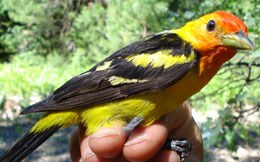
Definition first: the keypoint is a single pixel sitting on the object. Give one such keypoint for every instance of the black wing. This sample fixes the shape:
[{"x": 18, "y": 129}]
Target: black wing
[{"x": 95, "y": 86}]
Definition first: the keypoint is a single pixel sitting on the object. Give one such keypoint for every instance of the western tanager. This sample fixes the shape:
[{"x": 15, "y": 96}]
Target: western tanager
[{"x": 139, "y": 83}]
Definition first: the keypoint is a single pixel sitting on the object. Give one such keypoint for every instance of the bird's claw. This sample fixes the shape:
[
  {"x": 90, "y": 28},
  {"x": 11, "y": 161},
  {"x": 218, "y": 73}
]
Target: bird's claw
[{"x": 181, "y": 146}]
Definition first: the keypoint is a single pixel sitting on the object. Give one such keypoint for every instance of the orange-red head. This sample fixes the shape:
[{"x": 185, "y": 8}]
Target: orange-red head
[
  {"x": 219, "y": 31},
  {"x": 230, "y": 23},
  {"x": 217, "y": 36}
]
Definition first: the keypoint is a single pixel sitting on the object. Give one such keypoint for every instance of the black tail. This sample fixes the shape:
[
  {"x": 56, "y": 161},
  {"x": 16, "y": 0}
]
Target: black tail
[{"x": 27, "y": 144}]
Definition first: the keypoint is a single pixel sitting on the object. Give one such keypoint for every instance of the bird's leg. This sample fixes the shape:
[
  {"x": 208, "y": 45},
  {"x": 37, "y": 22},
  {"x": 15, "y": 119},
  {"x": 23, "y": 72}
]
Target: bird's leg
[
  {"x": 132, "y": 124},
  {"x": 181, "y": 146}
]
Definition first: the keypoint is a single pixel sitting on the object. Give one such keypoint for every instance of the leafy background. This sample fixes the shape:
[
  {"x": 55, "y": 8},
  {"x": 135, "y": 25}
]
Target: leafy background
[{"x": 43, "y": 43}]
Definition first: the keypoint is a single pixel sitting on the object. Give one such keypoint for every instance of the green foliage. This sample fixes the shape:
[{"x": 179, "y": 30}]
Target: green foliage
[
  {"x": 229, "y": 130},
  {"x": 6, "y": 49},
  {"x": 30, "y": 74},
  {"x": 91, "y": 32},
  {"x": 47, "y": 27},
  {"x": 20, "y": 24},
  {"x": 111, "y": 28}
]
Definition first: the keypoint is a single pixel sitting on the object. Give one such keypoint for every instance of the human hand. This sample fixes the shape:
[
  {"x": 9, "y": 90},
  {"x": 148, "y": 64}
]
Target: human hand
[{"x": 143, "y": 144}]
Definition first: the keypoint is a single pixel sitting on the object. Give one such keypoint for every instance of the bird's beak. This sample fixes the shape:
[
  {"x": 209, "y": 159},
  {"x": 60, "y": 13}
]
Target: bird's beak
[{"x": 238, "y": 41}]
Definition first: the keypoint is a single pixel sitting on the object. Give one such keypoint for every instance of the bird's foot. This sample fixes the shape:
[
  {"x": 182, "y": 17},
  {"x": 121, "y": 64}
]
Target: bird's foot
[
  {"x": 132, "y": 124},
  {"x": 181, "y": 146}
]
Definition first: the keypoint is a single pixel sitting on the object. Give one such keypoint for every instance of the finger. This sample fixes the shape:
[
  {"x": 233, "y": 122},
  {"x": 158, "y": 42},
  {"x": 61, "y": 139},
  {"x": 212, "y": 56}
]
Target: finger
[
  {"x": 120, "y": 158},
  {"x": 195, "y": 138},
  {"x": 175, "y": 119},
  {"x": 87, "y": 155},
  {"x": 74, "y": 147},
  {"x": 108, "y": 142},
  {"x": 185, "y": 127},
  {"x": 166, "y": 156},
  {"x": 144, "y": 142},
  {"x": 180, "y": 124},
  {"x": 191, "y": 132}
]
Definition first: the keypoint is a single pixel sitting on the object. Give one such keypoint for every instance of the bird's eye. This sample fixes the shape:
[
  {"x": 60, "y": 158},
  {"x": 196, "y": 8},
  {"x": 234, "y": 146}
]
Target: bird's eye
[{"x": 211, "y": 25}]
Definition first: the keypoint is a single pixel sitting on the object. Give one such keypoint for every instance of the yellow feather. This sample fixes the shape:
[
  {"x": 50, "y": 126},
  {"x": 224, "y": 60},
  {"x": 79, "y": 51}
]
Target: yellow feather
[
  {"x": 104, "y": 66},
  {"x": 160, "y": 58},
  {"x": 115, "y": 80},
  {"x": 60, "y": 118}
]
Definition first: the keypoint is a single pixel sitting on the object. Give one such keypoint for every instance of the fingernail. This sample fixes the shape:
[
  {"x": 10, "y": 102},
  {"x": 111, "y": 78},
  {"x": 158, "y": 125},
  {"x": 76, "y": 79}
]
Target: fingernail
[
  {"x": 137, "y": 139},
  {"x": 105, "y": 132},
  {"x": 88, "y": 153},
  {"x": 179, "y": 159},
  {"x": 173, "y": 156}
]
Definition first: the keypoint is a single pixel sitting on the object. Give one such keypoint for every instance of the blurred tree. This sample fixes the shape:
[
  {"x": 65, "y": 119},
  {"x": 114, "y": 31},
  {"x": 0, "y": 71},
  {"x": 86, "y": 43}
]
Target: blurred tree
[
  {"x": 76, "y": 27},
  {"x": 98, "y": 31},
  {"x": 6, "y": 49}
]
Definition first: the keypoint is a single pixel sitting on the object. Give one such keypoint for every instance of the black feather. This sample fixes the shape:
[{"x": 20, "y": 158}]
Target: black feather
[{"x": 93, "y": 87}]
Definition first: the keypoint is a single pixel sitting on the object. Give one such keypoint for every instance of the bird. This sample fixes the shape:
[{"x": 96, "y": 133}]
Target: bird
[{"x": 139, "y": 83}]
